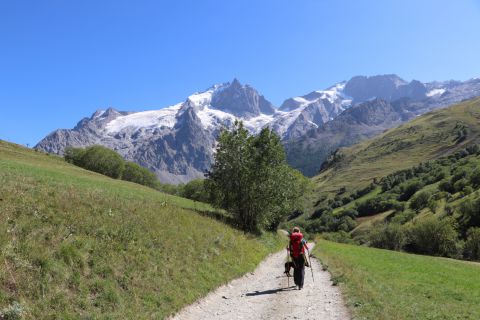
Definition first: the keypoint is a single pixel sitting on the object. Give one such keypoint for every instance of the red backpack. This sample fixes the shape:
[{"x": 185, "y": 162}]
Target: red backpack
[{"x": 296, "y": 244}]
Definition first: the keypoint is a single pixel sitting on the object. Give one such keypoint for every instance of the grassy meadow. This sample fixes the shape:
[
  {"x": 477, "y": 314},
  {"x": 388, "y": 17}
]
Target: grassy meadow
[
  {"x": 78, "y": 245},
  {"x": 381, "y": 284}
]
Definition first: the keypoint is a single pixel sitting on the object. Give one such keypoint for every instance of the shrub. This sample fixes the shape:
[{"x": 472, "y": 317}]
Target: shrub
[
  {"x": 195, "y": 190},
  {"x": 377, "y": 205},
  {"x": 340, "y": 236},
  {"x": 104, "y": 161},
  {"x": 420, "y": 200},
  {"x": 433, "y": 236},
  {"x": 388, "y": 236},
  {"x": 475, "y": 178},
  {"x": 74, "y": 156},
  {"x": 403, "y": 217},
  {"x": 408, "y": 189},
  {"x": 460, "y": 184},
  {"x": 138, "y": 174},
  {"x": 446, "y": 186},
  {"x": 469, "y": 214},
  {"x": 472, "y": 245}
]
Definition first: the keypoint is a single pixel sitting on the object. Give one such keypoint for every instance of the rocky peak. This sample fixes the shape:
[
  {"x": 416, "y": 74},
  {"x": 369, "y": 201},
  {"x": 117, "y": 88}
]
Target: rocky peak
[{"x": 241, "y": 100}]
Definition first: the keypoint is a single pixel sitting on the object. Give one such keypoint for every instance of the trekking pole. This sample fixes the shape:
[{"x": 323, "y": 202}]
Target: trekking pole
[
  {"x": 311, "y": 266},
  {"x": 288, "y": 274}
]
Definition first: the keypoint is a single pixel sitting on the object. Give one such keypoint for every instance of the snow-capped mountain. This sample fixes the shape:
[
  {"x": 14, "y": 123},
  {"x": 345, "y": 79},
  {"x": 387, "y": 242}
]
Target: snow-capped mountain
[
  {"x": 378, "y": 103},
  {"x": 177, "y": 142}
]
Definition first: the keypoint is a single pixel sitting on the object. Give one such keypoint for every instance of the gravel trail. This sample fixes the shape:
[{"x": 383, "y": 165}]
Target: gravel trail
[{"x": 264, "y": 294}]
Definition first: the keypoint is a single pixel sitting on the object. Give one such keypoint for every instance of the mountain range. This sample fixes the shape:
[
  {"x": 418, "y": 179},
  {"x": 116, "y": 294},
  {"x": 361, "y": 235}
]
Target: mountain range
[{"x": 177, "y": 142}]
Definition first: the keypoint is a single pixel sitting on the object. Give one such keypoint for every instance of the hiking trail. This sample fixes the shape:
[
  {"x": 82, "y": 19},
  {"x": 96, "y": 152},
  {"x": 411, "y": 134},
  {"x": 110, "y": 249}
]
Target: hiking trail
[{"x": 264, "y": 294}]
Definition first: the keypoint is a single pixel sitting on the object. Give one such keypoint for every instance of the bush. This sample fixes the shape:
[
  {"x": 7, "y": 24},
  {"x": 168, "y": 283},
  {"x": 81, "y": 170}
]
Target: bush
[
  {"x": 475, "y": 178},
  {"x": 446, "y": 186},
  {"x": 403, "y": 217},
  {"x": 460, "y": 184},
  {"x": 195, "y": 190},
  {"x": 138, "y": 174},
  {"x": 104, "y": 161},
  {"x": 408, "y": 189},
  {"x": 469, "y": 214},
  {"x": 433, "y": 236},
  {"x": 340, "y": 236},
  {"x": 472, "y": 245},
  {"x": 377, "y": 205},
  {"x": 420, "y": 200},
  {"x": 388, "y": 236},
  {"x": 74, "y": 156}
]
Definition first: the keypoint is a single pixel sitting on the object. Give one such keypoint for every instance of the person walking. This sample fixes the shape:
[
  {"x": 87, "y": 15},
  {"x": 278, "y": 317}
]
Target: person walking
[{"x": 297, "y": 248}]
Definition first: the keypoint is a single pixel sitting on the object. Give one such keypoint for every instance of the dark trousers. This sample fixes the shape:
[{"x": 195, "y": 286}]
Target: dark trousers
[{"x": 299, "y": 271}]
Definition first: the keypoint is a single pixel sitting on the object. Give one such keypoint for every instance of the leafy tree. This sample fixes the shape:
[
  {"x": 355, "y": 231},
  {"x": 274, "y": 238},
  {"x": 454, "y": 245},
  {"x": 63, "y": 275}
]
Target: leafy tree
[{"x": 250, "y": 178}]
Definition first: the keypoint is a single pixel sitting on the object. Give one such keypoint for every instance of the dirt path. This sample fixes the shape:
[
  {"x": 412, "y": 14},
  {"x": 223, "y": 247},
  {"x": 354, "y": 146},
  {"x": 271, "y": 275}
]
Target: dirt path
[{"x": 264, "y": 294}]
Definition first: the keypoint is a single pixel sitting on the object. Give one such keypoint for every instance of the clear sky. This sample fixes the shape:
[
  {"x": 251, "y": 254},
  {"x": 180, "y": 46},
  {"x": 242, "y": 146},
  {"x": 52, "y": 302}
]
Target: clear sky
[{"x": 62, "y": 60}]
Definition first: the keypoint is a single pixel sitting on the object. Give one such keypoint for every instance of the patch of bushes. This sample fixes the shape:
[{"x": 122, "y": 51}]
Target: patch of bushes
[
  {"x": 472, "y": 245},
  {"x": 390, "y": 236},
  {"x": 106, "y": 161},
  {"x": 377, "y": 205},
  {"x": 408, "y": 189},
  {"x": 433, "y": 236},
  {"x": 420, "y": 200}
]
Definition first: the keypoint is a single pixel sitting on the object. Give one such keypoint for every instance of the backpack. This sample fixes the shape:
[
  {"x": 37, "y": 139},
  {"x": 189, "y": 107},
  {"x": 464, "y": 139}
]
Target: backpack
[{"x": 296, "y": 244}]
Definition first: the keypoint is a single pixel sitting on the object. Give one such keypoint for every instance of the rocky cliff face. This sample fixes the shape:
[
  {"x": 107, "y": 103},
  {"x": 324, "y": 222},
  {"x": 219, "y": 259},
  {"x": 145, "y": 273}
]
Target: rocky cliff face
[
  {"x": 177, "y": 142},
  {"x": 383, "y": 102}
]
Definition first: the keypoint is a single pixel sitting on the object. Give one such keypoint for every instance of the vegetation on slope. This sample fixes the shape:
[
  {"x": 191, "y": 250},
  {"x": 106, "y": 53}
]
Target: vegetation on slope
[
  {"x": 427, "y": 137},
  {"x": 76, "y": 244},
  {"x": 380, "y": 284}
]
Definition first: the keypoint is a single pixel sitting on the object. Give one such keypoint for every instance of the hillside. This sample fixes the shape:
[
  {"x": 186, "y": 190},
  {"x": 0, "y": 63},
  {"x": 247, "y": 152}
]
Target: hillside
[
  {"x": 416, "y": 188},
  {"x": 74, "y": 243},
  {"x": 427, "y": 137},
  {"x": 381, "y": 284}
]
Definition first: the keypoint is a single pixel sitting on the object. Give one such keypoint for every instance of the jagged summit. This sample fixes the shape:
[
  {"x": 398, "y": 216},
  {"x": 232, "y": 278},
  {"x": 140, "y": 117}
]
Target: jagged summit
[{"x": 177, "y": 141}]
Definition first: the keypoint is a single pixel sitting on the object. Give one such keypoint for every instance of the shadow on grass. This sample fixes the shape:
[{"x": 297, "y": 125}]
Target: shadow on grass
[{"x": 220, "y": 216}]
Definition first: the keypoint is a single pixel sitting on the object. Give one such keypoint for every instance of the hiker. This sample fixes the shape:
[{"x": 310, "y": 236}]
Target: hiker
[{"x": 297, "y": 248}]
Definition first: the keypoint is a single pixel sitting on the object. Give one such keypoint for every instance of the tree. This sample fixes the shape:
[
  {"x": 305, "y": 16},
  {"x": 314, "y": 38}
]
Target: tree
[{"x": 250, "y": 179}]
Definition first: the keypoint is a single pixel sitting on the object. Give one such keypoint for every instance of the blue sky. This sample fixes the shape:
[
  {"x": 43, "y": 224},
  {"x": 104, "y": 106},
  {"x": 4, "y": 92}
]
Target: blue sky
[{"x": 62, "y": 60}]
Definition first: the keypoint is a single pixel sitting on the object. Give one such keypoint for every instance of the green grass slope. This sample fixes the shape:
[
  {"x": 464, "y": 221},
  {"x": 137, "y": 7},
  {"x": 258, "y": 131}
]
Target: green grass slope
[
  {"x": 381, "y": 284},
  {"x": 428, "y": 137},
  {"x": 78, "y": 245}
]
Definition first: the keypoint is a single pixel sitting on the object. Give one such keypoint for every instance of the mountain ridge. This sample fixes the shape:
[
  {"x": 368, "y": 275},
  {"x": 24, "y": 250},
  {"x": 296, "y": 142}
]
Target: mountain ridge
[{"x": 155, "y": 139}]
